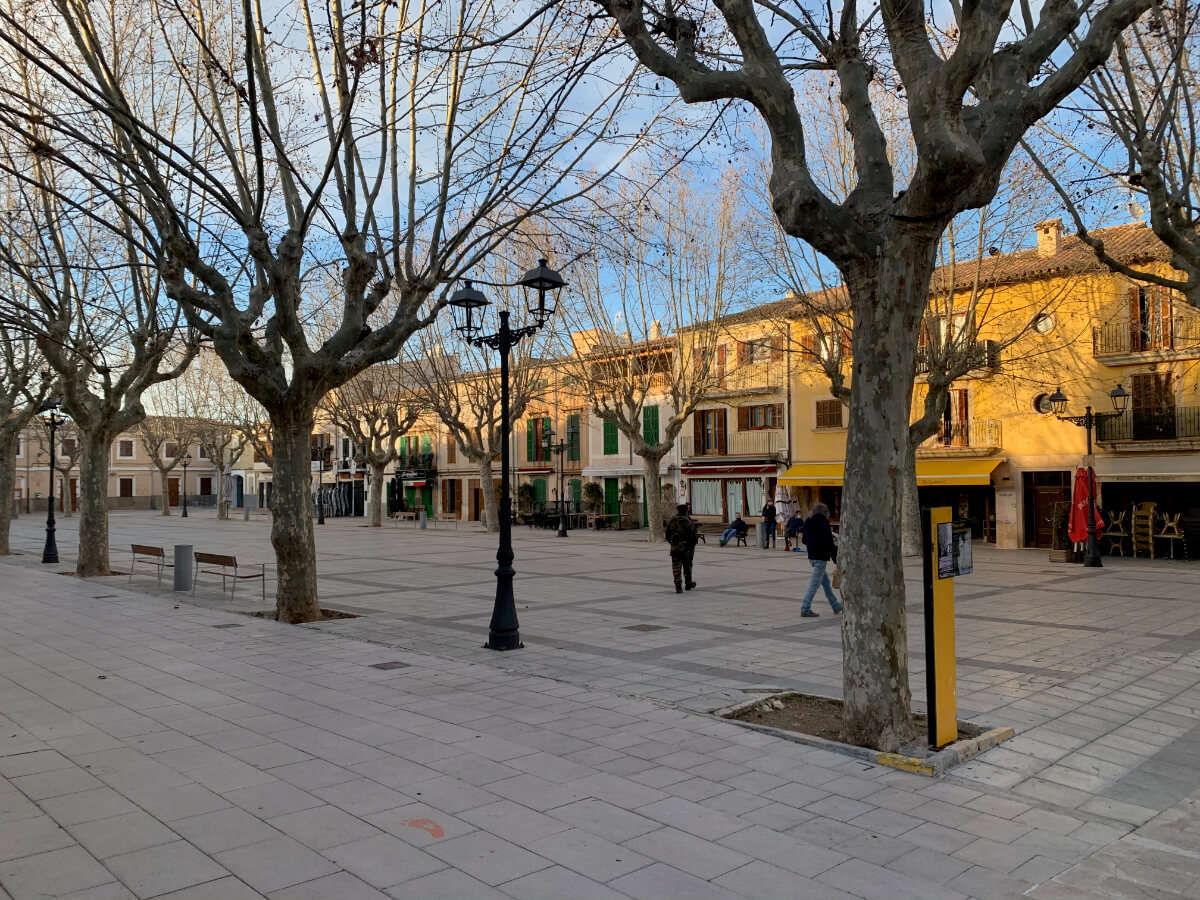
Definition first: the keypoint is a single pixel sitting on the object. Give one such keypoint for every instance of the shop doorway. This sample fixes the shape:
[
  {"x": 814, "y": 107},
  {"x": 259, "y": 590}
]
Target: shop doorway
[{"x": 1041, "y": 491}]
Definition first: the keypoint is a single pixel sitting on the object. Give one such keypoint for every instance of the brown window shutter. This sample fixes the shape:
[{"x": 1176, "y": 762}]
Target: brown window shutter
[
  {"x": 743, "y": 418},
  {"x": 743, "y": 353},
  {"x": 698, "y": 432},
  {"x": 451, "y": 450},
  {"x": 1164, "y": 315},
  {"x": 808, "y": 343},
  {"x": 777, "y": 416},
  {"x": 777, "y": 348},
  {"x": 721, "y": 442},
  {"x": 1135, "y": 319}
]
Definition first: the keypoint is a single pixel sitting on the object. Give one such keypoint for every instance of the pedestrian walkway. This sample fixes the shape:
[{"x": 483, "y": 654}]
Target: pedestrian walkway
[{"x": 152, "y": 751}]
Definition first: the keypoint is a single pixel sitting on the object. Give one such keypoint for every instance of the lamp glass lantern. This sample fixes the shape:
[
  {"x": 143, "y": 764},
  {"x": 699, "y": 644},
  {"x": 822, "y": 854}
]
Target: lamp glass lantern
[
  {"x": 1120, "y": 398},
  {"x": 1058, "y": 400},
  {"x": 540, "y": 283},
  {"x": 469, "y": 304}
]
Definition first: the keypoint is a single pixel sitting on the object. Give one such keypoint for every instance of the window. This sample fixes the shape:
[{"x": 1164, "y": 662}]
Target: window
[
  {"x": 1153, "y": 406},
  {"x": 610, "y": 438},
  {"x": 829, "y": 414},
  {"x": 67, "y": 447},
  {"x": 20, "y": 447},
  {"x": 170, "y": 450},
  {"x": 537, "y": 434},
  {"x": 573, "y": 437},
  {"x": 427, "y": 444},
  {"x": 451, "y": 450},
  {"x": 202, "y": 451},
  {"x": 760, "y": 350},
  {"x": 706, "y": 497},
  {"x": 1042, "y": 404},
  {"x": 125, "y": 487},
  {"x": 650, "y": 424},
  {"x": 206, "y": 486},
  {"x": 1150, "y": 319},
  {"x": 346, "y": 454},
  {"x": 125, "y": 449},
  {"x": 956, "y": 420},
  {"x": 757, "y": 418},
  {"x": 708, "y": 432}
]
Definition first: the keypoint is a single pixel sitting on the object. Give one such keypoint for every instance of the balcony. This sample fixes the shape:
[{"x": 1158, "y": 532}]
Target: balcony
[
  {"x": 969, "y": 435},
  {"x": 764, "y": 442},
  {"x": 416, "y": 462},
  {"x": 751, "y": 378},
  {"x": 1125, "y": 342},
  {"x": 1179, "y": 423}
]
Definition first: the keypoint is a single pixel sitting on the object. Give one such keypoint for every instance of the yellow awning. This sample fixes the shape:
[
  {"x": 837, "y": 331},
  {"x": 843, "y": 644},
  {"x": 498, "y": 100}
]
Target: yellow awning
[{"x": 929, "y": 472}]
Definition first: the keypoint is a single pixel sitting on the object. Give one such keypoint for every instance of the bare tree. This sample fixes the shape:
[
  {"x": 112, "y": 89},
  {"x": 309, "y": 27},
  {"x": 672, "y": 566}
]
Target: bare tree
[
  {"x": 372, "y": 410},
  {"x": 1134, "y": 133},
  {"x": 419, "y": 137},
  {"x": 648, "y": 316},
  {"x": 166, "y": 439},
  {"x": 969, "y": 103},
  {"x": 23, "y": 387},
  {"x": 458, "y": 383}
]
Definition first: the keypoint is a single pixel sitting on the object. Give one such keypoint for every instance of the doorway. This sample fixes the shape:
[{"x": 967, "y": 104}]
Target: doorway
[
  {"x": 1041, "y": 491},
  {"x": 172, "y": 491}
]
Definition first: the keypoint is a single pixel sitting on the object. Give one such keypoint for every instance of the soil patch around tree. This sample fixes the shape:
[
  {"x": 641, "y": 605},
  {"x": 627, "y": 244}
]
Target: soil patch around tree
[
  {"x": 822, "y": 717},
  {"x": 326, "y": 614}
]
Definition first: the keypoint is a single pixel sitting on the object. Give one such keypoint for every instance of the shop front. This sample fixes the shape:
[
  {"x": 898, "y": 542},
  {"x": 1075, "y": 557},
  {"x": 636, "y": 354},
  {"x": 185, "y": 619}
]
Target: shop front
[
  {"x": 411, "y": 489},
  {"x": 720, "y": 492},
  {"x": 1166, "y": 485}
]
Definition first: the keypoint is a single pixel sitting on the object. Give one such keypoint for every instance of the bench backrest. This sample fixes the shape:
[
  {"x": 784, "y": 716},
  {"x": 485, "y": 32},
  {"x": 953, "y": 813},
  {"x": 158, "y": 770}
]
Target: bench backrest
[
  {"x": 146, "y": 550},
  {"x": 216, "y": 559}
]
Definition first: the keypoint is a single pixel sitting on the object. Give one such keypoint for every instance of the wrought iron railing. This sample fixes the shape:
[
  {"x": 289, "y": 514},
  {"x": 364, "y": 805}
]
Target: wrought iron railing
[
  {"x": 967, "y": 433},
  {"x": 1119, "y": 338},
  {"x": 761, "y": 442},
  {"x": 1165, "y": 424}
]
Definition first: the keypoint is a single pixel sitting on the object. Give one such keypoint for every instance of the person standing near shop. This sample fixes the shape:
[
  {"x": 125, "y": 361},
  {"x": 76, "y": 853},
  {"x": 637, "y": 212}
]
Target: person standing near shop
[
  {"x": 682, "y": 534},
  {"x": 818, "y": 538},
  {"x": 768, "y": 515}
]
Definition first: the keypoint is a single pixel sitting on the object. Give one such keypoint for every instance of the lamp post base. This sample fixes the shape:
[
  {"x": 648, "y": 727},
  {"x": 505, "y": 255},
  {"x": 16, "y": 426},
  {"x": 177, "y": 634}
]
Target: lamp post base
[
  {"x": 50, "y": 552},
  {"x": 562, "y": 525}
]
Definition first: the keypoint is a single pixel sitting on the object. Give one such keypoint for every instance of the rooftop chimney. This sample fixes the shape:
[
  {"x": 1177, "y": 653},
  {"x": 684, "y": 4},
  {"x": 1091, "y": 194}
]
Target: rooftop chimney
[
  {"x": 1049, "y": 237},
  {"x": 655, "y": 330}
]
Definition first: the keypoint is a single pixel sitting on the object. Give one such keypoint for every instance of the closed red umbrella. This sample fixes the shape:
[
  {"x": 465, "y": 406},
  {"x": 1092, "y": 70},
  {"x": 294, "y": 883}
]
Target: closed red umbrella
[{"x": 1077, "y": 530}]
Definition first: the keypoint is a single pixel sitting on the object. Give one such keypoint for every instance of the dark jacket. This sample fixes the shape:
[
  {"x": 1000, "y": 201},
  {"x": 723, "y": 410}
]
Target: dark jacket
[
  {"x": 794, "y": 526},
  {"x": 682, "y": 535},
  {"x": 818, "y": 538},
  {"x": 768, "y": 514},
  {"x": 739, "y": 525}
]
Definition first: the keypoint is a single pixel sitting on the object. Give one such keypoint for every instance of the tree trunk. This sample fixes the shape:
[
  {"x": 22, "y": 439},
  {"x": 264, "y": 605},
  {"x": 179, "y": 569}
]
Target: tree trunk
[
  {"x": 653, "y": 493},
  {"x": 8, "y": 478},
  {"x": 888, "y": 303},
  {"x": 223, "y": 502},
  {"x": 66, "y": 492},
  {"x": 92, "y": 559},
  {"x": 376, "y": 498},
  {"x": 166, "y": 492},
  {"x": 910, "y": 512},
  {"x": 491, "y": 509},
  {"x": 291, "y": 520}
]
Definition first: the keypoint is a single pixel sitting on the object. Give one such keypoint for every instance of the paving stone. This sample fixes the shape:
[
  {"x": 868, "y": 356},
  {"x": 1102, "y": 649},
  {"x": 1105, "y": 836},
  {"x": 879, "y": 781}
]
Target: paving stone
[
  {"x": 276, "y": 863},
  {"x": 120, "y": 834},
  {"x": 1002, "y": 858},
  {"x": 448, "y": 884},
  {"x": 661, "y": 882},
  {"x": 588, "y": 854},
  {"x": 861, "y": 879},
  {"x": 53, "y": 874},
  {"x": 164, "y": 868},
  {"x": 691, "y": 817},
  {"x": 86, "y": 806},
  {"x": 342, "y": 886},
  {"x": 225, "y": 829},
  {"x": 27, "y": 837},
  {"x": 557, "y": 883},
  {"x": 488, "y": 858},
  {"x": 688, "y": 853},
  {"x": 603, "y": 819},
  {"x": 222, "y": 889}
]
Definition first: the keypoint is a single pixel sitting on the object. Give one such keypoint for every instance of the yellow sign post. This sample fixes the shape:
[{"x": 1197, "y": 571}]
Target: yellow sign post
[{"x": 943, "y": 559}]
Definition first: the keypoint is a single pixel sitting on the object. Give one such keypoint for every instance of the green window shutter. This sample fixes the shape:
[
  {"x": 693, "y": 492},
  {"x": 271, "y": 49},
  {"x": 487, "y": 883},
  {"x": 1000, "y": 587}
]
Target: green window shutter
[
  {"x": 577, "y": 493},
  {"x": 610, "y": 438},
  {"x": 530, "y": 432},
  {"x": 573, "y": 437},
  {"x": 650, "y": 424},
  {"x": 426, "y": 443},
  {"x": 539, "y": 490}
]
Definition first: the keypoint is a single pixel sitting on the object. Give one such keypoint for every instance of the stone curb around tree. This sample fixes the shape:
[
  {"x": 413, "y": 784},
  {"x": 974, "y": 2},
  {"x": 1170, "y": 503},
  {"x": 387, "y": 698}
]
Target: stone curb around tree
[{"x": 933, "y": 765}]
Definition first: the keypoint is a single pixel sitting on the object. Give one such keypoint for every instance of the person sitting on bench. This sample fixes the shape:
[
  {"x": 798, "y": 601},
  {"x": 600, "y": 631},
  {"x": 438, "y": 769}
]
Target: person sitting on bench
[{"x": 738, "y": 528}]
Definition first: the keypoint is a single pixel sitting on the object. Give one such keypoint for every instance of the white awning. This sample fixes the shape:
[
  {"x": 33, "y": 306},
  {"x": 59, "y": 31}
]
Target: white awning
[
  {"x": 1149, "y": 467},
  {"x": 622, "y": 471}
]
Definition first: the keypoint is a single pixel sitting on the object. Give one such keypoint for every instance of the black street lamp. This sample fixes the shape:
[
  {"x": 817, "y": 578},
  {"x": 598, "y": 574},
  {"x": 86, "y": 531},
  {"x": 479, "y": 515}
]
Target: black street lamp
[
  {"x": 558, "y": 450},
  {"x": 322, "y": 458},
  {"x": 1120, "y": 400},
  {"x": 504, "y": 633},
  {"x": 185, "y": 459},
  {"x": 52, "y": 418}
]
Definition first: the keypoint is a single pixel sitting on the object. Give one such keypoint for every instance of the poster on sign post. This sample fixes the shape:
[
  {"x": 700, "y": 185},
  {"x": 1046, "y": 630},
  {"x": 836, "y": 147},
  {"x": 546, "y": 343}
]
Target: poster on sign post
[{"x": 953, "y": 549}]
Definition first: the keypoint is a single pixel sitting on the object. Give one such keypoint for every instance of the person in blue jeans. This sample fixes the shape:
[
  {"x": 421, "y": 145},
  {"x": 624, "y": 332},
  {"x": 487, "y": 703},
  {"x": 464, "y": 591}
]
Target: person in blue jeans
[
  {"x": 818, "y": 538},
  {"x": 737, "y": 528}
]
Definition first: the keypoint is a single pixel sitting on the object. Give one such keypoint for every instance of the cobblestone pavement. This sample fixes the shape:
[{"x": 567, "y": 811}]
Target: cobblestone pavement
[{"x": 221, "y": 756}]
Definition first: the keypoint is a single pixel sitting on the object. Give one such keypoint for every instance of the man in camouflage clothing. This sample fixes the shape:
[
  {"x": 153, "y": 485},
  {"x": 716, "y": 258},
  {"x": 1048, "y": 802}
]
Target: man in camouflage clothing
[{"x": 682, "y": 535}]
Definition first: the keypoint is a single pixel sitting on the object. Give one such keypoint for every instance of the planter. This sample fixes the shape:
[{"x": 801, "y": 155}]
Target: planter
[{"x": 1061, "y": 556}]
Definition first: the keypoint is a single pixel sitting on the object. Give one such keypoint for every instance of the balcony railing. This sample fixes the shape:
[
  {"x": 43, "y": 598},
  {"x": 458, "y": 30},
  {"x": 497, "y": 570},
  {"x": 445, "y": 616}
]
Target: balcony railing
[
  {"x": 764, "y": 442},
  {"x": 752, "y": 377},
  {"x": 416, "y": 461},
  {"x": 1169, "y": 424},
  {"x": 967, "y": 434},
  {"x": 1120, "y": 338}
]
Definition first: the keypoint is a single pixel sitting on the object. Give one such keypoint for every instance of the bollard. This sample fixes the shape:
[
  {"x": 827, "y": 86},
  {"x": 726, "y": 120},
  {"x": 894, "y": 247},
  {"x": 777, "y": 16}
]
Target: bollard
[
  {"x": 183, "y": 567},
  {"x": 761, "y": 534},
  {"x": 246, "y": 509},
  {"x": 421, "y": 518}
]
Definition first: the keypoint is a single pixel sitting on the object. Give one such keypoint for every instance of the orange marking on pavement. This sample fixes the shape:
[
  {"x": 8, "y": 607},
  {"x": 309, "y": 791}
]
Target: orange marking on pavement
[{"x": 434, "y": 829}]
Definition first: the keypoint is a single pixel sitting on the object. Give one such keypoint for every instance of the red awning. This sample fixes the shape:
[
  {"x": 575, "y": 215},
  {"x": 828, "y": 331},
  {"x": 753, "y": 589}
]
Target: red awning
[{"x": 748, "y": 469}]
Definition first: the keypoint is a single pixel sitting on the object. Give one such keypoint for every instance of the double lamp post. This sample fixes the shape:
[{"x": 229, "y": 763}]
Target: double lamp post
[
  {"x": 1089, "y": 420},
  {"x": 504, "y": 633}
]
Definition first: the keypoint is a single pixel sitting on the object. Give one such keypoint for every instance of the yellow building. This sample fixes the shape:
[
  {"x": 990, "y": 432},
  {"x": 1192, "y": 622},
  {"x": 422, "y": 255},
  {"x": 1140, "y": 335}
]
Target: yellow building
[{"x": 1000, "y": 457}]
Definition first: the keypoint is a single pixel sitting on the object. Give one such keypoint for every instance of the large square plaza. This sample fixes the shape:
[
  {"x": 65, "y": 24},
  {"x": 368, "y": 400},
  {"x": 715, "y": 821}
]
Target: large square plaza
[{"x": 159, "y": 746}]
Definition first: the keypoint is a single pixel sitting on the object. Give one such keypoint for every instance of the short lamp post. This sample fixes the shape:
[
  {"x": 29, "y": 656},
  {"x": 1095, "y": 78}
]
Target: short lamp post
[
  {"x": 52, "y": 418},
  {"x": 1089, "y": 420},
  {"x": 558, "y": 449},
  {"x": 504, "y": 633},
  {"x": 185, "y": 459}
]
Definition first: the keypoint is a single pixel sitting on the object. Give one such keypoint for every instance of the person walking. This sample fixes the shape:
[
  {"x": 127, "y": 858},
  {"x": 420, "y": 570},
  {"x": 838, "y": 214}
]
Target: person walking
[
  {"x": 792, "y": 531},
  {"x": 818, "y": 538},
  {"x": 768, "y": 515},
  {"x": 737, "y": 528},
  {"x": 682, "y": 535}
]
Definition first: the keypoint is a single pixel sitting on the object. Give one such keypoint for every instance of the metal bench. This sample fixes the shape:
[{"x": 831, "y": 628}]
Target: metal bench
[
  {"x": 155, "y": 556},
  {"x": 446, "y": 517},
  {"x": 227, "y": 568}
]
